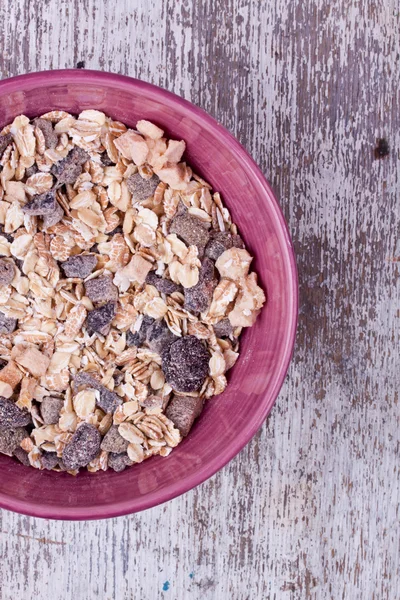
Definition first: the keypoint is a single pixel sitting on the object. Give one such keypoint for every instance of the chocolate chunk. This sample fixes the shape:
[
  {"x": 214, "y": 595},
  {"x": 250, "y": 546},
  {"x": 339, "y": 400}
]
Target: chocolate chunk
[
  {"x": 82, "y": 448},
  {"x": 49, "y": 460},
  {"x": 11, "y": 416},
  {"x": 46, "y": 127},
  {"x": 69, "y": 168},
  {"x": 191, "y": 230},
  {"x": 10, "y": 439},
  {"x": 118, "y": 377},
  {"x": 118, "y": 462},
  {"x": 140, "y": 188},
  {"x": 182, "y": 411},
  {"x": 114, "y": 442},
  {"x": 7, "y": 324},
  {"x": 54, "y": 218},
  {"x": 106, "y": 160},
  {"x": 223, "y": 328},
  {"x": 151, "y": 402},
  {"x": 221, "y": 241},
  {"x": 198, "y": 298},
  {"x": 99, "y": 319},
  {"x": 50, "y": 410},
  {"x": 7, "y": 271},
  {"x": 159, "y": 337},
  {"x": 41, "y": 204},
  {"x": 185, "y": 364},
  {"x": 108, "y": 401},
  {"x": 138, "y": 338},
  {"x": 164, "y": 286},
  {"x": 5, "y": 140},
  {"x": 101, "y": 289},
  {"x": 79, "y": 266},
  {"x": 31, "y": 171},
  {"x": 21, "y": 454}
]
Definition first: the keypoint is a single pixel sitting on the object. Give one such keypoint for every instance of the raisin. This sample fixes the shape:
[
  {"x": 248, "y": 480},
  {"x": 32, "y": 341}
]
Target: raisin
[
  {"x": 182, "y": 411},
  {"x": 164, "y": 286},
  {"x": 113, "y": 441},
  {"x": 41, "y": 204},
  {"x": 185, "y": 364},
  {"x": 7, "y": 271},
  {"x": 11, "y": 416},
  {"x": 82, "y": 448},
  {"x": 50, "y": 409},
  {"x": 10, "y": 439},
  {"x": 140, "y": 188},
  {"x": 99, "y": 319},
  {"x": 101, "y": 289},
  {"x": 198, "y": 298},
  {"x": 79, "y": 266}
]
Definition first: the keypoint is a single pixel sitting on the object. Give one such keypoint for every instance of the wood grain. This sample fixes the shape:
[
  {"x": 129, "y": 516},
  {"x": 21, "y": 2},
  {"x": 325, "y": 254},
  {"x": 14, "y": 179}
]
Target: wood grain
[{"x": 309, "y": 510}]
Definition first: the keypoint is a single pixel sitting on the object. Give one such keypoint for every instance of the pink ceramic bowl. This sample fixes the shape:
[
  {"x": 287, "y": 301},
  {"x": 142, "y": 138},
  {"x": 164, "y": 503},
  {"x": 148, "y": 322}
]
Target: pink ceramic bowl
[{"x": 230, "y": 420}]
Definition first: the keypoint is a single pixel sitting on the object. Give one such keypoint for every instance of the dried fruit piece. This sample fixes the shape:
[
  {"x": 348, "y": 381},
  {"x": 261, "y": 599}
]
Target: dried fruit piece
[
  {"x": 198, "y": 298},
  {"x": 132, "y": 146},
  {"x": 114, "y": 442},
  {"x": 101, "y": 289},
  {"x": 185, "y": 364},
  {"x": 159, "y": 337},
  {"x": 31, "y": 358},
  {"x": 141, "y": 188},
  {"x": 82, "y": 448},
  {"x": 41, "y": 204},
  {"x": 191, "y": 230},
  {"x": 50, "y": 409},
  {"x": 10, "y": 440},
  {"x": 223, "y": 328},
  {"x": 50, "y": 136},
  {"x": 7, "y": 271},
  {"x": 182, "y": 411},
  {"x": 118, "y": 462},
  {"x": 99, "y": 319},
  {"x": 79, "y": 266},
  {"x": 164, "y": 286},
  {"x": 7, "y": 324},
  {"x": 11, "y": 416}
]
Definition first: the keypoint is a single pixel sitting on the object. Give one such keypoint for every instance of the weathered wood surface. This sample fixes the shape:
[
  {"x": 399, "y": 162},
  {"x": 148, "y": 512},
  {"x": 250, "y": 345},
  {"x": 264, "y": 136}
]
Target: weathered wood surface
[{"x": 309, "y": 510}]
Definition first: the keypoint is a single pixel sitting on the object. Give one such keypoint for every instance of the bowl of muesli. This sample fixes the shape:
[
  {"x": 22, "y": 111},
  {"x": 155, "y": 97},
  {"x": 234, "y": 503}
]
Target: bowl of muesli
[{"x": 148, "y": 295}]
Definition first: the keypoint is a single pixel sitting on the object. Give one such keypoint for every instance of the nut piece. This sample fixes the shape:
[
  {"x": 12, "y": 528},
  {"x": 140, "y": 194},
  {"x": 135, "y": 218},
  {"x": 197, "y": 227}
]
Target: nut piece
[
  {"x": 11, "y": 416},
  {"x": 79, "y": 266},
  {"x": 11, "y": 374},
  {"x": 114, "y": 442},
  {"x": 10, "y": 440},
  {"x": 7, "y": 271},
  {"x": 31, "y": 358},
  {"x": 182, "y": 411},
  {"x": 118, "y": 462},
  {"x": 82, "y": 448},
  {"x": 101, "y": 289},
  {"x": 50, "y": 409},
  {"x": 185, "y": 364},
  {"x": 140, "y": 188},
  {"x": 191, "y": 230}
]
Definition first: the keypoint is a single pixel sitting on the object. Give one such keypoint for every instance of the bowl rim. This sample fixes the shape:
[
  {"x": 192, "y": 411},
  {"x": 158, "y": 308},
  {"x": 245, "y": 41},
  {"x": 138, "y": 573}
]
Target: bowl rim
[{"x": 181, "y": 486}]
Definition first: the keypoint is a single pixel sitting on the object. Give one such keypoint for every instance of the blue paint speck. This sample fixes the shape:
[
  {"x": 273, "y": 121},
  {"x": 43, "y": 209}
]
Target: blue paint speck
[
  {"x": 191, "y": 575},
  {"x": 165, "y": 587}
]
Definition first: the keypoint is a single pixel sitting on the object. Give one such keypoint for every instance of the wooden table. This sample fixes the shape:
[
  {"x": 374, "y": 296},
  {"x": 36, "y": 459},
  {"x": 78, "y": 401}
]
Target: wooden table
[{"x": 309, "y": 510}]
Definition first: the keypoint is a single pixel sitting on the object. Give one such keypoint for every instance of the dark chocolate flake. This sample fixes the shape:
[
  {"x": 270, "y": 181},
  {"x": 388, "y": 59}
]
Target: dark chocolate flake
[
  {"x": 50, "y": 409},
  {"x": 69, "y": 168},
  {"x": 223, "y": 328},
  {"x": 191, "y": 230},
  {"x": 101, "y": 289},
  {"x": 46, "y": 127},
  {"x": 185, "y": 364},
  {"x": 99, "y": 319},
  {"x": 141, "y": 188},
  {"x": 182, "y": 411},
  {"x": 159, "y": 337},
  {"x": 79, "y": 266},
  {"x": 41, "y": 204},
  {"x": 11, "y": 415},
  {"x": 198, "y": 298},
  {"x": 82, "y": 448},
  {"x": 10, "y": 439},
  {"x": 53, "y": 218},
  {"x": 113, "y": 441},
  {"x": 5, "y": 140},
  {"x": 164, "y": 286},
  {"x": 7, "y": 271},
  {"x": 118, "y": 462},
  {"x": 49, "y": 460},
  {"x": 21, "y": 454}
]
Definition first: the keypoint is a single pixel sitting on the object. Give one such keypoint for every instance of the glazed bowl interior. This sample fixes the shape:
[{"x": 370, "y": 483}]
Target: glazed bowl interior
[{"x": 230, "y": 420}]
